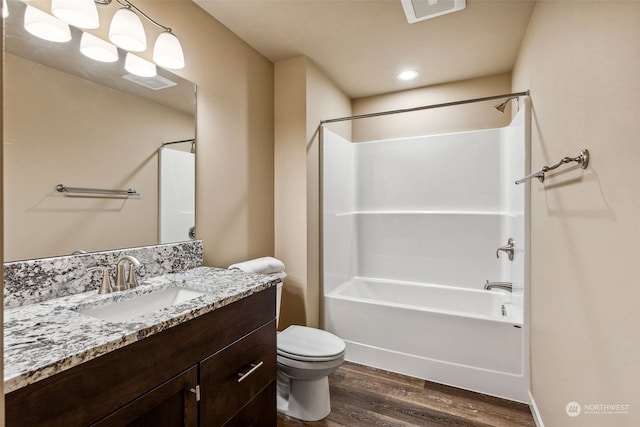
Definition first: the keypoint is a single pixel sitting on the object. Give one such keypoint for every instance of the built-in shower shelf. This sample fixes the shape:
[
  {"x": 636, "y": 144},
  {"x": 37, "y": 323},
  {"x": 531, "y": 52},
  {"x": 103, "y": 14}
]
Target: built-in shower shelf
[{"x": 425, "y": 212}]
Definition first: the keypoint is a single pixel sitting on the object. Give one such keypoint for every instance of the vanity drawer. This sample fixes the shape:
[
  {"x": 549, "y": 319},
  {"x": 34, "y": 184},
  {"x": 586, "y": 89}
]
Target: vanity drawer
[{"x": 236, "y": 374}]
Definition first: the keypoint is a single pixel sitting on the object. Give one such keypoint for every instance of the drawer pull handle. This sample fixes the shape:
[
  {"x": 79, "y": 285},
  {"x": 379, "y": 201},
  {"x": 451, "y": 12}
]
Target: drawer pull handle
[
  {"x": 196, "y": 391},
  {"x": 243, "y": 375}
]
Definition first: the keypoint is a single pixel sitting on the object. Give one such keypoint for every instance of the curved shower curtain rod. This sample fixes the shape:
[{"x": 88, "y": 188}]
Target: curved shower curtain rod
[{"x": 426, "y": 107}]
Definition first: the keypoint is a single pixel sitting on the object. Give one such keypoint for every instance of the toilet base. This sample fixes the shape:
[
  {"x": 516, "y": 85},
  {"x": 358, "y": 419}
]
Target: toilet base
[{"x": 306, "y": 400}]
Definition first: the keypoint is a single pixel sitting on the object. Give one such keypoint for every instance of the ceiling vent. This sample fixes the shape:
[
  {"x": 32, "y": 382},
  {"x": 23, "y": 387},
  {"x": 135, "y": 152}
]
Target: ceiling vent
[
  {"x": 419, "y": 10},
  {"x": 154, "y": 83}
]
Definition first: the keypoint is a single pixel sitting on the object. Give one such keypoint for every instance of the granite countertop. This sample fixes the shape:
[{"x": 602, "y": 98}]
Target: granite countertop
[{"x": 43, "y": 339}]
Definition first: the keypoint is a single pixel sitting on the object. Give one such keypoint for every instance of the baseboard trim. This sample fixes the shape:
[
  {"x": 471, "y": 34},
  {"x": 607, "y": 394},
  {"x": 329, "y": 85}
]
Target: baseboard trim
[{"x": 537, "y": 418}]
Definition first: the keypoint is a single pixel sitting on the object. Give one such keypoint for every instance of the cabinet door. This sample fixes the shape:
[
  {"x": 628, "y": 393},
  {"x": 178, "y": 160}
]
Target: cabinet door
[
  {"x": 258, "y": 412},
  {"x": 235, "y": 375},
  {"x": 171, "y": 404}
]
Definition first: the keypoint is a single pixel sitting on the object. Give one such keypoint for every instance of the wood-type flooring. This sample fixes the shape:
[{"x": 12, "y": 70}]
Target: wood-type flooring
[{"x": 363, "y": 396}]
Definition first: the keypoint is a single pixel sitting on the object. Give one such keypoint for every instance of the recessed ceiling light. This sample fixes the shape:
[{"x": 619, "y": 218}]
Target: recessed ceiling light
[{"x": 407, "y": 75}]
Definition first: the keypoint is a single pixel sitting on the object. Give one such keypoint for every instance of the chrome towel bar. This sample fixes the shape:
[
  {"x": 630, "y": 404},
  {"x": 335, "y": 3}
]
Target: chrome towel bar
[
  {"x": 582, "y": 159},
  {"x": 79, "y": 190}
]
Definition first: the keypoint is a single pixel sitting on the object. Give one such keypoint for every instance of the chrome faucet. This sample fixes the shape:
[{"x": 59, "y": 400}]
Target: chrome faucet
[
  {"x": 508, "y": 248},
  {"x": 126, "y": 281},
  {"x": 507, "y": 286}
]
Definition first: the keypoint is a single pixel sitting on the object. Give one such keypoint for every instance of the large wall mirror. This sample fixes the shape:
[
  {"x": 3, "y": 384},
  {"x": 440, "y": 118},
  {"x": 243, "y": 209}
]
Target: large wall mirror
[{"x": 81, "y": 123}]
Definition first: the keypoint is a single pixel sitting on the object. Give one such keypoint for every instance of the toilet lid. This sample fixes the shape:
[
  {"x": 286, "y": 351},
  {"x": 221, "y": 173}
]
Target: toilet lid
[{"x": 309, "y": 342}]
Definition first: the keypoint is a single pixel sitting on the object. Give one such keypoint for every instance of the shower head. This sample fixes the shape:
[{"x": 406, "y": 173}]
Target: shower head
[{"x": 501, "y": 107}]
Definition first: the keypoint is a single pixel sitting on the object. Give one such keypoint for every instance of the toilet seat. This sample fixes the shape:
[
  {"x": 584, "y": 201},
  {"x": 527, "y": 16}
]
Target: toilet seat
[{"x": 307, "y": 344}]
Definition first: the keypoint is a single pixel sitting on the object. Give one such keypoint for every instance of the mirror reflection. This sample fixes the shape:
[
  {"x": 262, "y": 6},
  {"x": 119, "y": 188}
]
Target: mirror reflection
[{"x": 81, "y": 123}]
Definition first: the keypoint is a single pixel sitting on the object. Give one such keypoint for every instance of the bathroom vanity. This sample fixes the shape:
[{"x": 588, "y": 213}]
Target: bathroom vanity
[{"x": 208, "y": 361}]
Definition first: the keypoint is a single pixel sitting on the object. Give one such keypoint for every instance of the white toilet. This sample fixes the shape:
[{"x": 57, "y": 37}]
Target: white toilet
[{"x": 306, "y": 357}]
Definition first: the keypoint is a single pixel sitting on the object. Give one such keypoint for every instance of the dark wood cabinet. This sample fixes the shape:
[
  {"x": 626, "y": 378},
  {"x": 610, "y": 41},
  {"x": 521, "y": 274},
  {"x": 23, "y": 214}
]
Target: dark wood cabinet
[
  {"x": 158, "y": 380},
  {"x": 254, "y": 414},
  {"x": 236, "y": 375},
  {"x": 173, "y": 403}
]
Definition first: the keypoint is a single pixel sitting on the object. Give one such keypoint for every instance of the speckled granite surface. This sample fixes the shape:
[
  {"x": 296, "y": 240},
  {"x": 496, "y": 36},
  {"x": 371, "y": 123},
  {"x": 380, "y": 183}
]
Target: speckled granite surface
[
  {"x": 33, "y": 281},
  {"x": 43, "y": 339}
]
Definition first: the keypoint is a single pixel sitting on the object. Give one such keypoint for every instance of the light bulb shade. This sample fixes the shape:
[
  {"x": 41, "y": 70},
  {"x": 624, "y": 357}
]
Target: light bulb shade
[
  {"x": 80, "y": 13},
  {"x": 5, "y": 9},
  {"x": 98, "y": 49},
  {"x": 126, "y": 31},
  {"x": 167, "y": 51},
  {"x": 45, "y": 26},
  {"x": 138, "y": 66}
]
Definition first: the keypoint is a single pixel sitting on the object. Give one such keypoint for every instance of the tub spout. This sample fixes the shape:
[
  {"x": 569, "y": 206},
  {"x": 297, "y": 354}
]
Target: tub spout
[{"x": 507, "y": 286}]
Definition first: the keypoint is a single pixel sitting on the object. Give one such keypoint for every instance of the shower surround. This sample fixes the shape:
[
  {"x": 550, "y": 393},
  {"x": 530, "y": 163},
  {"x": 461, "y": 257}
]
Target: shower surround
[{"x": 410, "y": 232}]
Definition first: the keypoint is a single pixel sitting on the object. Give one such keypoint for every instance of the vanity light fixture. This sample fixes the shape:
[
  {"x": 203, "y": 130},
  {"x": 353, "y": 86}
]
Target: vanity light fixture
[
  {"x": 79, "y": 13},
  {"x": 5, "y": 9},
  {"x": 97, "y": 49},
  {"x": 45, "y": 26},
  {"x": 126, "y": 31},
  {"x": 138, "y": 66}
]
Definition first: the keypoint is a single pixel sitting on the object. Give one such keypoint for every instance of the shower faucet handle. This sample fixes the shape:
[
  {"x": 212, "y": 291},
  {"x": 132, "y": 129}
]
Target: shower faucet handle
[{"x": 508, "y": 248}]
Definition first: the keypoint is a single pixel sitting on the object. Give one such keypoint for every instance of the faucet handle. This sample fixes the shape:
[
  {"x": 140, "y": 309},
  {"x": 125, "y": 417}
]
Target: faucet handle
[
  {"x": 508, "y": 249},
  {"x": 105, "y": 286}
]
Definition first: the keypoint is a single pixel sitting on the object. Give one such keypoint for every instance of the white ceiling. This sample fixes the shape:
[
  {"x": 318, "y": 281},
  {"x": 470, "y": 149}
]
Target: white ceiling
[{"x": 362, "y": 44}]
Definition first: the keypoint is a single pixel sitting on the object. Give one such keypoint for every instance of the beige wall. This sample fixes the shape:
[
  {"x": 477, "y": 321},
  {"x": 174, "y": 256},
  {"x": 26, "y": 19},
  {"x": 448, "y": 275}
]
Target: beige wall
[
  {"x": 581, "y": 61},
  {"x": 290, "y": 186},
  {"x": 303, "y": 97},
  {"x": 459, "y": 118},
  {"x": 75, "y": 145},
  {"x": 234, "y": 160}
]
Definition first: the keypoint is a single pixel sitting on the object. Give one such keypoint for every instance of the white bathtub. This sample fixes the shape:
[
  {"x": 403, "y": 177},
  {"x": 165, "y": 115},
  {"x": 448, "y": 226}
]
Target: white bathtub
[{"x": 466, "y": 338}]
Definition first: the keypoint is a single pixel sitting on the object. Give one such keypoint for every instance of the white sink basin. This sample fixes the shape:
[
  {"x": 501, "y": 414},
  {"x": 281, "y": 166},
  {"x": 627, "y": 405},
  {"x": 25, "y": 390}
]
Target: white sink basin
[{"x": 127, "y": 309}]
